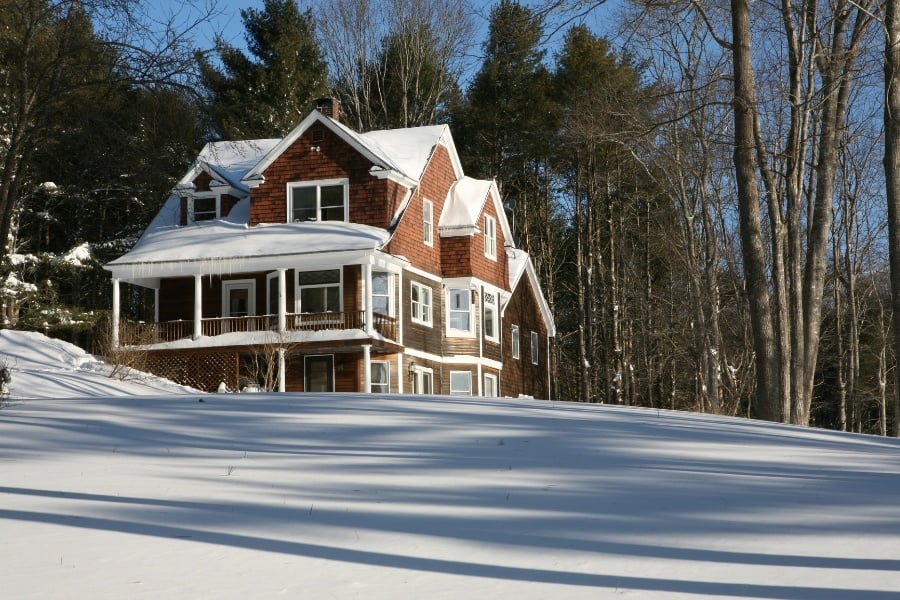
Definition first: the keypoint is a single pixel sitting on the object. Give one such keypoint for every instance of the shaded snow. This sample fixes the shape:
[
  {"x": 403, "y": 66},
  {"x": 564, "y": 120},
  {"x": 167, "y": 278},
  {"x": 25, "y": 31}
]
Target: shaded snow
[{"x": 353, "y": 496}]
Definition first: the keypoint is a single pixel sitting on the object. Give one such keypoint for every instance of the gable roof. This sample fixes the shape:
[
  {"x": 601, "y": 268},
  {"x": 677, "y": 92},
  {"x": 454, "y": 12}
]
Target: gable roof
[
  {"x": 520, "y": 264},
  {"x": 403, "y": 153},
  {"x": 228, "y": 162},
  {"x": 464, "y": 205}
]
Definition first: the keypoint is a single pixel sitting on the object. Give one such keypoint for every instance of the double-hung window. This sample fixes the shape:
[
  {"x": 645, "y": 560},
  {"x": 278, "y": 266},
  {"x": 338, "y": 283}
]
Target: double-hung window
[
  {"x": 319, "y": 291},
  {"x": 381, "y": 293},
  {"x": 514, "y": 341},
  {"x": 420, "y": 303},
  {"x": 489, "y": 324},
  {"x": 535, "y": 350},
  {"x": 380, "y": 377},
  {"x": 460, "y": 383},
  {"x": 205, "y": 207},
  {"x": 460, "y": 309},
  {"x": 318, "y": 201},
  {"x": 490, "y": 237},
  {"x": 428, "y": 222}
]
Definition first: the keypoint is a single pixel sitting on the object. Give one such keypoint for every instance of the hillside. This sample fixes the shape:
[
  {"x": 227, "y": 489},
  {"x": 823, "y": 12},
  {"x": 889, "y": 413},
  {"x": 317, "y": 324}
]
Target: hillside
[{"x": 186, "y": 495}]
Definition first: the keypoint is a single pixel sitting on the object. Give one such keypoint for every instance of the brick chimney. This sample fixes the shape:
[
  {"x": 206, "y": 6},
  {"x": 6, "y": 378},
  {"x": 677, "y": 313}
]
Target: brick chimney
[{"x": 330, "y": 107}]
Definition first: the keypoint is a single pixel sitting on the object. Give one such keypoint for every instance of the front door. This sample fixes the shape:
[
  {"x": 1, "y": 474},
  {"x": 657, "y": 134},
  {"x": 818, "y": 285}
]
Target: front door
[{"x": 318, "y": 375}]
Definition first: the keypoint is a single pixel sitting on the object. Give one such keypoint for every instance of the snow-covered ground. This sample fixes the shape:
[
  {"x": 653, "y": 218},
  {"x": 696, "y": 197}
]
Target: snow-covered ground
[{"x": 108, "y": 492}]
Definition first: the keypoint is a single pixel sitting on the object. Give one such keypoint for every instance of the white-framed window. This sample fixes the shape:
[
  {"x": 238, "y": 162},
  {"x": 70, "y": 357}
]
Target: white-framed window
[
  {"x": 204, "y": 207},
  {"x": 319, "y": 291},
  {"x": 428, "y": 222},
  {"x": 272, "y": 293},
  {"x": 459, "y": 307},
  {"x": 239, "y": 298},
  {"x": 490, "y": 237},
  {"x": 514, "y": 341},
  {"x": 535, "y": 349},
  {"x": 460, "y": 383},
  {"x": 318, "y": 201},
  {"x": 380, "y": 377},
  {"x": 490, "y": 386},
  {"x": 489, "y": 324},
  {"x": 420, "y": 303},
  {"x": 422, "y": 380},
  {"x": 381, "y": 293}
]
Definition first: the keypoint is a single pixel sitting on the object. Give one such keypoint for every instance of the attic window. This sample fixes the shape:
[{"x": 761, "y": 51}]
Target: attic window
[{"x": 204, "y": 207}]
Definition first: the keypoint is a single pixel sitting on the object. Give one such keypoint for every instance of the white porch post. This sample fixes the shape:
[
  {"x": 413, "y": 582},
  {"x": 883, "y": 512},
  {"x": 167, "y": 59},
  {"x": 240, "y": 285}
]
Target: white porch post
[
  {"x": 367, "y": 368},
  {"x": 116, "y": 309},
  {"x": 400, "y": 308},
  {"x": 156, "y": 304},
  {"x": 198, "y": 306},
  {"x": 282, "y": 302},
  {"x": 367, "y": 297},
  {"x": 400, "y": 373},
  {"x": 281, "y": 375}
]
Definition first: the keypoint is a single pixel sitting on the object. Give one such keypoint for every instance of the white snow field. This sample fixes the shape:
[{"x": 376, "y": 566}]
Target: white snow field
[{"x": 109, "y": 493}]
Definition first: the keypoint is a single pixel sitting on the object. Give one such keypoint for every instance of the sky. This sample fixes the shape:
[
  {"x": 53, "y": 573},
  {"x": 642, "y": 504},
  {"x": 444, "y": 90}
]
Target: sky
[{"x": 141, "y": 489}]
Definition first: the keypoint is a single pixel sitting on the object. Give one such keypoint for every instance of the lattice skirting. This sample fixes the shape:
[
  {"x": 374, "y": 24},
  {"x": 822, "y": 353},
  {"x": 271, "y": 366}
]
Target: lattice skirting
[{"x": 200, "y": 370}]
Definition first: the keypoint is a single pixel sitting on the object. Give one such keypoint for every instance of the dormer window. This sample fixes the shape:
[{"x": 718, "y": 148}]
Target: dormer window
[
  {"x": 318, "y": 201},
  {"x": 205, "y": 207},
  {"x": 490, "y": 237}
]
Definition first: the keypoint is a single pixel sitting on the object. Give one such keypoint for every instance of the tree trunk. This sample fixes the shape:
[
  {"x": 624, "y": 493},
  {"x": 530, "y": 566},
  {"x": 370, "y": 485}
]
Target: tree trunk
[{"x": 892, "y": 155}]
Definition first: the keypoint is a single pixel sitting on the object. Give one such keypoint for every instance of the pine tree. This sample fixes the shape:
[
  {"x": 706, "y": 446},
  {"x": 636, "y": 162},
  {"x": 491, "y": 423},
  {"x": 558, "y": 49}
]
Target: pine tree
[{"x": 266, "y": 93}]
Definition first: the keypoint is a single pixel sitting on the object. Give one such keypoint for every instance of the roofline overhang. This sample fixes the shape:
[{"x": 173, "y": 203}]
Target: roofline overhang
[{"x": 140, "y": 272}]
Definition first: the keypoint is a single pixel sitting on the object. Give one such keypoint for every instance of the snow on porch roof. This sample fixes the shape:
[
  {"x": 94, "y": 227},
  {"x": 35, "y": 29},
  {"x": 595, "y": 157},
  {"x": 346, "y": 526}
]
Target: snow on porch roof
[{"x": 222, "y": 245}]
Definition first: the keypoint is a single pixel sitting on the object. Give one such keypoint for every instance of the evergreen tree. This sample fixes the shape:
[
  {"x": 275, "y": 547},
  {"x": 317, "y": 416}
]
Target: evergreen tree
[{"x": 267, "y": 93}]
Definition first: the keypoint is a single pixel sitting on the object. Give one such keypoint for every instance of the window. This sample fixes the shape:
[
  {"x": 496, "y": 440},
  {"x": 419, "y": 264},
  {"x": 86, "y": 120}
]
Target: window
[
  {"x": 428, "y": 222},
  {"x": 460, "y": 383},
  {"x": 514, "y": 339},
  {"x": 422, "y": 380},
  {"x": 238, "y": 297},
  {"x": 318, "y": 373},
  {"x": 535, "y": 351},
  {"x": 323, "y": 201},
  {"x": 272, "y": 293},
  {"x": 381, "y": 293},
  {"x": 460, "y": 311},
  {"x": 490, "y": 386},
  {"x": 319, "y": 291},
  {"x": 204, "y": 208},
  {"x": 420, "y": 301},
  {"x": 380, "y": 377},
  {"x": 490, "y": 237},
  {"x": 490, "y": 316}
]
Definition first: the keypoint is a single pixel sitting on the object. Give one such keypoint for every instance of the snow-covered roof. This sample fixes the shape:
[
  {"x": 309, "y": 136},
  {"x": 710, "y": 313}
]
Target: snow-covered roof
[
  {"x": 519, "y": 264},
  {"x": 464, "y": 205},
  {"x": 405, "y": 152},
  {"x": 222, "y": 246},
  {"x": 229, "y": 161}
]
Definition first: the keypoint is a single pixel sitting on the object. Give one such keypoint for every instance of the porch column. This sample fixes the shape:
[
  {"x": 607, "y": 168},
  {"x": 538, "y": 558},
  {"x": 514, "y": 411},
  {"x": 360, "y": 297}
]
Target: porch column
[
  {"x": 400, "y": 373},
  {"x": 367, "y": 297},
  {"x": 198, "y": 306},
  {"x": 282, "y": 302},
  {"x": 281, "y": 375},
  {"x": 399, "y": 312},
  {"x": 116, "y": 309},
  {"x": 367, "y": 368},
  {"x": 156, "y": 304}
]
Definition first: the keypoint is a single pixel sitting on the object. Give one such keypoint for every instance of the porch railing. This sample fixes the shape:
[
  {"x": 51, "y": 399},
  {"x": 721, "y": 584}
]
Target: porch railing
[{"x": 143, "y": 333}]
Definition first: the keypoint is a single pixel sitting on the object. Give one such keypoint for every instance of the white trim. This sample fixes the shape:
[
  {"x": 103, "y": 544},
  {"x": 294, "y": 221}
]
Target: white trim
[
  {"x": 464, "y": 393},
  {"x": 466, "y": 291},
  {"x": 417, "y": 372},
  {"x": 298, "y": 308},
  {"x": 429, "y": 322},
  {"x": 423, "y": 274},
  {"x": 238, "y": 284},
  {"x": 428, "y": 234},
  {"x": 490, "y": 237},
  {"x": 387, "y": 366},
  {"x": 495, "y": 379},
  {"x": 455, "y": 359},
  {"x": 318, "y": 184},
  {"x": 192, "y": 210}
]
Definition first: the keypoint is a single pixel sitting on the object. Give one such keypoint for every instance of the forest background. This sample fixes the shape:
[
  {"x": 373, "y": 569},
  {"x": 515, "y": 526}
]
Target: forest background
[{"x": 705, "y": 188}]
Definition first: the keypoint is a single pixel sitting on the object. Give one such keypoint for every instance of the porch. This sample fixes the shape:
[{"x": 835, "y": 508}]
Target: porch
[{"x": 134, "y": 333}]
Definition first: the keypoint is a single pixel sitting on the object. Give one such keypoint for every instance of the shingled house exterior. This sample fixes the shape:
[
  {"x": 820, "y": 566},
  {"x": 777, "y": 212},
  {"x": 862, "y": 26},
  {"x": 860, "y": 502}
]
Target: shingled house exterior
[{"x": 347, "y": 262}]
